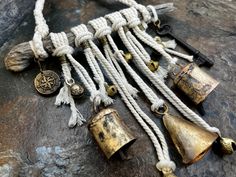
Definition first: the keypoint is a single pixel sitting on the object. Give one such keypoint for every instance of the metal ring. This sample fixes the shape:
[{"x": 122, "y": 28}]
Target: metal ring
[
  {"x": 166, "y": 109},
  {"x": 70, "y": 82}
]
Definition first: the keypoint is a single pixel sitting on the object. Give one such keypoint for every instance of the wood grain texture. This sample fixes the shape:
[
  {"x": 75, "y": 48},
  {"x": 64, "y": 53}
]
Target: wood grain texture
[{"x": 35, "y": 140}]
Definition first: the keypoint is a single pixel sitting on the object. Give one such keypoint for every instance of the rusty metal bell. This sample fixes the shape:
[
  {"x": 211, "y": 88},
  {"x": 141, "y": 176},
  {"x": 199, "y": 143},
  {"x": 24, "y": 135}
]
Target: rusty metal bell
[
  {"x": 194, "y": 82},
  {"x": 191, "y": 141},
  {"x": 110, "y": 132}
]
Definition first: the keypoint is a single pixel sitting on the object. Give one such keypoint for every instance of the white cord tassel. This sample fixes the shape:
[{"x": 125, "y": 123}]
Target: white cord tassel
[
  {"x": 171, "y": 44},
  {"x": 62, "y": 48},
  {"x": 63, "y": 96}
]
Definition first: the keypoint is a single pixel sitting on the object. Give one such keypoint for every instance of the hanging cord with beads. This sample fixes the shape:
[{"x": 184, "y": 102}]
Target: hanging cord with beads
[
  {"x": 82, "y": 37},
  {"x": 100, "y": 35},
  {"x": 160, "y": 85},
  {"x": 63, "y": 49},
  {"x": 141, "y": 117}
]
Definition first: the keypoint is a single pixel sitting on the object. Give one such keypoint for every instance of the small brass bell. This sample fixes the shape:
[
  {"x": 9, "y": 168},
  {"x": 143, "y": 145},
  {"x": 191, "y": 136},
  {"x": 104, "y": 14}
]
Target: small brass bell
[
  {"x": 194, "y": 82},
  {"x": 153, "y": 65},
  {"x": 191, "y": 141},
  {"x": 111, "y": 90},
  {"x": 167, "y": 172},
  {"x": 110, "y": 132},
  {"x": 76, "y": 90},
  {"x": 128, "y": 57},
  {"x": 226, "y": 146}
]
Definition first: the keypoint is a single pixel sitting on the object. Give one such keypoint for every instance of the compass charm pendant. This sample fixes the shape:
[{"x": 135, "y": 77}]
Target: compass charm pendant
[{"x": 47, "y": 82}]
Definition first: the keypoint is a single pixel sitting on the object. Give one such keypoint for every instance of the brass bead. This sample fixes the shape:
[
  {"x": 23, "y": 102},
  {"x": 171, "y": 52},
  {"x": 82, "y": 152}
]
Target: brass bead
[
  {"x": 111, "y": 90},
  {"x": 76, "y": 90},
  {"x": 153, "y": 65},
  {"x": 227, "y": 146},
  {"x": 167, "y": 172},
  {"x": 128, "y": 57}
]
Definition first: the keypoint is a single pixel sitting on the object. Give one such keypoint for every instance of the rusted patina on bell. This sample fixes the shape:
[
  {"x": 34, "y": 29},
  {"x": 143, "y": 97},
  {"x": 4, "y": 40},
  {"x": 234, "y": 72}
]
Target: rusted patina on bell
[
  {"x": 110, "y": 132},
  {"x": 191, "y": 141},
  {"x": 194, "y": 82}
]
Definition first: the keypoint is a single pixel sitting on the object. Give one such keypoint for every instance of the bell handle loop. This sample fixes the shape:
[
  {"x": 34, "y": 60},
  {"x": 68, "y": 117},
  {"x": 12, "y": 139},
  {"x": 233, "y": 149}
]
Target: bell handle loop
[
  {"x": 165, "y": 111},
  {"x": 70, "y": 82}
]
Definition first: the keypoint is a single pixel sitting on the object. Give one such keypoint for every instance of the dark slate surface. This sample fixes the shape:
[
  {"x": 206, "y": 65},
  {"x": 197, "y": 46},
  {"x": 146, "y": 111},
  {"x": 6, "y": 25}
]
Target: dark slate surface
[{"x": 35, "y": 139}]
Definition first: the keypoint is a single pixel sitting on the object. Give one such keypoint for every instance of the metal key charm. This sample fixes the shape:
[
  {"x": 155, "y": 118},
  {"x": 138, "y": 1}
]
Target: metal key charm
[{"x": 199, "y": 58}]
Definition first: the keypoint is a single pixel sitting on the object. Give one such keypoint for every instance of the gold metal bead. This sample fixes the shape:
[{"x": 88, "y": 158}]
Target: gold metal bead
[
  {"x": 104, "y": 40},
  {"x": 153, "y": 65},
  {"x": 227, "y": 146},
  {"x": 128, "y": 57},
  {"x": 111, "y": 90},
  {"x": 167, "y": 172},
  {"x": 76, "y": 90}
]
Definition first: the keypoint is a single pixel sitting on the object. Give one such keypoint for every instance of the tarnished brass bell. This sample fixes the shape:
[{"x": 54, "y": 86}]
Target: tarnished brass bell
[
  {"x": 167, "y": 172},
  {"x": 76, "y": 90},
  {"x": 191, "y": 141},
  {"x": 153, "y": 65},
  {"x": 128, "y": 57},
  {"x": 111, "y": 90},
  {"x": 110, "y": 132},
  {"x": 194, "y": 82},
  {"x": 227, "y": 146}
]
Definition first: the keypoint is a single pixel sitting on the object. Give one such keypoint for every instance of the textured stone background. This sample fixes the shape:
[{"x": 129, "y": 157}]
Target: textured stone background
[{"x": 34, "y": 138}]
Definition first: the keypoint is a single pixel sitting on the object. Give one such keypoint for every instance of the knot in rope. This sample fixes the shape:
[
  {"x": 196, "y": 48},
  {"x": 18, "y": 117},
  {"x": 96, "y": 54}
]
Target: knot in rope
[
  {"x": 144, "y": 11},
  {"x": 61, "y": 44},
  {"x": 117, "y": 20},
  {"x": 131, "y": 16},
  {"x": 101, "y": 27},
  {"x": 157, "y": 104},
  {"x": 163, "y": 164},
  {"x": 154, "y": 16},
  {"x": 82, "y": 34}
]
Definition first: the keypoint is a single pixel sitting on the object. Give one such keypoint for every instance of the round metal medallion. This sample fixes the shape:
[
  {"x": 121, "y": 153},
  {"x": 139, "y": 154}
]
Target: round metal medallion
[{"x": 47, "y": 82}]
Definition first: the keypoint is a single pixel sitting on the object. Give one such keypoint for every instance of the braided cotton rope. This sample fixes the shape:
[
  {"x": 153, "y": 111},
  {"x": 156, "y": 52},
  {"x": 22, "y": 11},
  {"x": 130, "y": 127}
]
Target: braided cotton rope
[
  {"x": 41, "y": 31},
  {"x": 162, "y": 151},
  {"x": 152, "y": 97},
  {"x": 83, "y": 35},
  {"x": 133, "y": 21},
  {"x": 111, "y": 58},
  {"x": 138, "y": 113},
  {"x": 115, "y": 20},
  {"x": 62, "y": 48},
  {"x": 161, "y": 73}
]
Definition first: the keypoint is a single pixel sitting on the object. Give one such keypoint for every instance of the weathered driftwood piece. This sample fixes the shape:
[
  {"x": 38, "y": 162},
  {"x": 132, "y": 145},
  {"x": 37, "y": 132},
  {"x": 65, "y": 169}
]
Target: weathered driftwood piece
[{"x": 21, "y": 55}]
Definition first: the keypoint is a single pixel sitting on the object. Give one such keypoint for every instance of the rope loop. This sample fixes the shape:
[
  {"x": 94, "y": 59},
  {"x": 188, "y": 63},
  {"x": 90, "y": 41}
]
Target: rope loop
[
  {"x": 117, "y": 20},
  {"x": 82, "y": 34},
  {"x": 131, "y": 15},
  {"x": 100, "y": 26}
]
